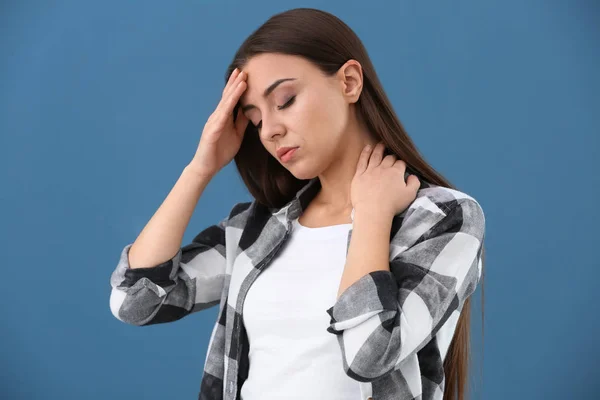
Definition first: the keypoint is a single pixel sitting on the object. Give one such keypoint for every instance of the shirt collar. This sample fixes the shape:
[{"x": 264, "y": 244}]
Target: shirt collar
[{"x": 294, "y": 208}]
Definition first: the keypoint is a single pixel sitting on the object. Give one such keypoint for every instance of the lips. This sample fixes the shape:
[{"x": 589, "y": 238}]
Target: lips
[{"x": 283, "y": 150}]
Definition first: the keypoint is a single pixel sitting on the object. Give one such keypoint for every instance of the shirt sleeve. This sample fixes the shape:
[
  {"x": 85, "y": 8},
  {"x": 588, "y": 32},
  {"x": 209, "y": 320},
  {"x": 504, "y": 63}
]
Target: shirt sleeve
[
  {"x": 387, "y": 316},
  {"x": 190, "y": 281}
]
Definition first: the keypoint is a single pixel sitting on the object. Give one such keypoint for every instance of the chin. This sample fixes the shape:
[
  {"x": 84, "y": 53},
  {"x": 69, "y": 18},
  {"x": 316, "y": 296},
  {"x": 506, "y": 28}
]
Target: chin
[{"x": 302, "y": 173}]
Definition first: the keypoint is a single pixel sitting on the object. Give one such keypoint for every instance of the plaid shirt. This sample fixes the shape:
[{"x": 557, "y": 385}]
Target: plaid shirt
[{"x": 393, "y": 327}]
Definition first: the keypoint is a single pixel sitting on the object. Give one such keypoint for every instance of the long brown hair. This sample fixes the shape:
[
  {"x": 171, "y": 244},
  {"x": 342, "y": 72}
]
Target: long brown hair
[{"x": 328, "y": 43}]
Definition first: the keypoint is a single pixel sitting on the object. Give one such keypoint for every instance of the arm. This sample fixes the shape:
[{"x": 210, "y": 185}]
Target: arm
[
  {"x": 162, "y": 282},
  {"x": 162, "y": 235},
  {"x": 190, "y": 281},
  {"x": 388, "y": 315},
  {"x": 369, "y": 247}
]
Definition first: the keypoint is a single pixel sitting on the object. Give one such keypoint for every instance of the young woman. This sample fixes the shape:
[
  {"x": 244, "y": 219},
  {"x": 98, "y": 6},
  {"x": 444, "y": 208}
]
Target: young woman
[{"x": 350, "y": 274}]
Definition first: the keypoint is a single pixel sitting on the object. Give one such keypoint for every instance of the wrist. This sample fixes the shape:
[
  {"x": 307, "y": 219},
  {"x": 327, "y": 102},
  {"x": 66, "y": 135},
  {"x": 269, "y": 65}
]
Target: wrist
[
  {"x": 199, "y": 172},
  {"x": 372, "y": 212},
  {"x": 372, "y": 215},
  {"x": 197, "y": 177}
]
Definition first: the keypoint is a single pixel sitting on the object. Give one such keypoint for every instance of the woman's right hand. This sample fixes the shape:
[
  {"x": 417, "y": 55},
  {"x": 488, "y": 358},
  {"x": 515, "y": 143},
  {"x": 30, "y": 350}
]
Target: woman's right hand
[{"x": 221, "y": 138}]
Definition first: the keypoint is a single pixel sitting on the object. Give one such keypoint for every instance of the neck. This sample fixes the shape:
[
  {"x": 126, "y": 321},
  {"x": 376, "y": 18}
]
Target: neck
[{"x": 336, "y": 180}]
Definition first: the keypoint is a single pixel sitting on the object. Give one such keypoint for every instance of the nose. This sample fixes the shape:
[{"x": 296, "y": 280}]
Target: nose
[{"x": 271, "y": 128}]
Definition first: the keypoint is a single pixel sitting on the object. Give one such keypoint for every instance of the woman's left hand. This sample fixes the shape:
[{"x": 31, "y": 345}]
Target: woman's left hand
[{"x": 378, "y": 185}]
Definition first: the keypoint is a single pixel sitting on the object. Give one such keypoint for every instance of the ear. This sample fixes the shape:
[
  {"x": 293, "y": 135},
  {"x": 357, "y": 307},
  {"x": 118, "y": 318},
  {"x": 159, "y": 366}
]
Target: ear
[{"x": 351, "y": 78}]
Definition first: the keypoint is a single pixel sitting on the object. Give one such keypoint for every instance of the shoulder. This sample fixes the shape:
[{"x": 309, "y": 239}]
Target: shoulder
[
  {"x": 240, "y": 209},
  {"x": 442, "y": 199},
  {"x": 248, "y": 214},
  {"x": 440, "y": 208},
  {"x": 238, "y": 215}
]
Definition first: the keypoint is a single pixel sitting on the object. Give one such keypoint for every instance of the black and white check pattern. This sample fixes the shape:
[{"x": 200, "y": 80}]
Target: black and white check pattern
[{"x": 393, "y": 328}]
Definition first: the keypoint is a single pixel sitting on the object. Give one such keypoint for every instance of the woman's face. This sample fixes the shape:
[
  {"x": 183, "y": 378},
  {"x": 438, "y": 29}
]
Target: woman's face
[{"x": 303, "y": 108}]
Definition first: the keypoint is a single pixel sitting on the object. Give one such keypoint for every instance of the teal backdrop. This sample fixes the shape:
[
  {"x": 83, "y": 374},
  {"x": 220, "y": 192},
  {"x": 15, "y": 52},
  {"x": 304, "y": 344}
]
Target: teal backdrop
[{"x": 102, "y": 105}]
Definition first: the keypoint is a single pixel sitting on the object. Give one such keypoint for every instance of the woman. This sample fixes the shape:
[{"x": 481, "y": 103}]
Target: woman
[{"x": 338, "y": 225}]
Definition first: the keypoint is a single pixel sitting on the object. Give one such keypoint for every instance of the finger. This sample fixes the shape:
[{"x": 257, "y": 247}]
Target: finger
[
  {"x": 241, "y": 76},
  {"x": 232, "y": 78},
  {"x": 363, "y": 159},
  {"x": 401, "y": 165},
  {"x": 388, "y": 160},
  {"x": 376, "y": 155},
  {"x": 413, "y": 183},
  {"x": 241, "y": 122},
  {"x": 230, "y": 102}
]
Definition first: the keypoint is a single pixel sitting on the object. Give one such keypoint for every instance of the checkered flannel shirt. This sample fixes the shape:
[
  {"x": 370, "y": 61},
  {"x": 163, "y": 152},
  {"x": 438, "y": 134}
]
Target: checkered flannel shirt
[{"x": 393, "y": 327}]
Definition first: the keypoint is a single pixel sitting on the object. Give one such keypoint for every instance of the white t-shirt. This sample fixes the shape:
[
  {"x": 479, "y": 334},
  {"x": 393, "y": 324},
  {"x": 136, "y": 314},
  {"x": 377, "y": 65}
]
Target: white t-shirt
[{"x": 292, "y": 356}]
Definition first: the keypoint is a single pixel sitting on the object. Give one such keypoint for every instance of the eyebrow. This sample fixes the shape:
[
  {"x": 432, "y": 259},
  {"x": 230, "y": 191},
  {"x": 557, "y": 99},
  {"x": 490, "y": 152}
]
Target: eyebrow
[{"x": 268, "y": 91}]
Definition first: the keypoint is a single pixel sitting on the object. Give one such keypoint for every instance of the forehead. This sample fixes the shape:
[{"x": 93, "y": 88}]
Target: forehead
[
  {"x": 272, "y": 66},
  {"x": 264, "y": 69}
]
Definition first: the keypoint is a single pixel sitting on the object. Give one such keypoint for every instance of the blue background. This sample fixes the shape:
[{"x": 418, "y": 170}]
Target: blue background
[{"x": 102, "y": 105}]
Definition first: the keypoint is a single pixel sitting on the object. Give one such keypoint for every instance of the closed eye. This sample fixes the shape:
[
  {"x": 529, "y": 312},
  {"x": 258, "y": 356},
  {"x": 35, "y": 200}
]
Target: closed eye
[
  {"x": 281, "y": 107},
  {"x": 287, "y": 103}
]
